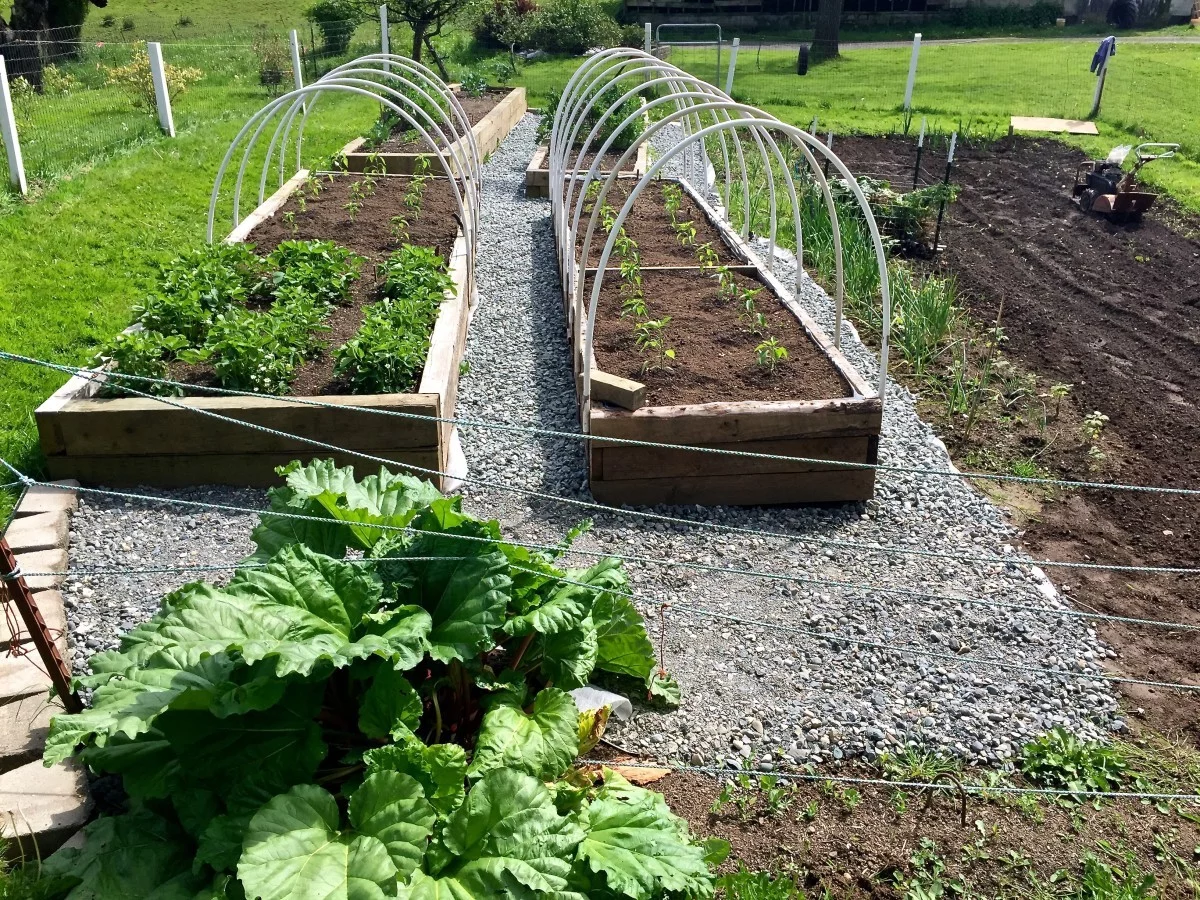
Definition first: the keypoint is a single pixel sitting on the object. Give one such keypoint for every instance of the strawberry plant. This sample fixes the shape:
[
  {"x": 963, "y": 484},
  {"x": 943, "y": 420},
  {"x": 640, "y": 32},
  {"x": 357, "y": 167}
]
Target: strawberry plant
[
  {"x": 388, "y": 353},
  {"x": 322, "y": 268},
  {"x": 385, "y": 725},
  {"x": 142, "y": 353}
]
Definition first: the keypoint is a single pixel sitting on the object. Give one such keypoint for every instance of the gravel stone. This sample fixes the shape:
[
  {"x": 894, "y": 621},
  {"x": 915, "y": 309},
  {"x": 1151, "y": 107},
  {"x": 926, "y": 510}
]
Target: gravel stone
[{"x": 819, "y": 685}]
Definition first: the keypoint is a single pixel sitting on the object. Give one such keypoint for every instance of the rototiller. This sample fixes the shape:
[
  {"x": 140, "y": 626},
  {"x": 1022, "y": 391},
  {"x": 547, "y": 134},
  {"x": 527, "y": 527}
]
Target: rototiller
[{"x": 1103, "y": 186}]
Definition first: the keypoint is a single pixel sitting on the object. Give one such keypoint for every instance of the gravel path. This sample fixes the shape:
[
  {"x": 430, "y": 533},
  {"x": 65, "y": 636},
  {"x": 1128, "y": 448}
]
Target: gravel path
[{"x": 749, "y": 691}]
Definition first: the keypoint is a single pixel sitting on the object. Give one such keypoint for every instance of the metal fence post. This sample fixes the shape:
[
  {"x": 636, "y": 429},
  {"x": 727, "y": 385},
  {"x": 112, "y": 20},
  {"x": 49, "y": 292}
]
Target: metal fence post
[
  {"x": 733, "y": 51},
  {"x": 159, "y": 73},
  {"x": 1100, "y": 77},
  {"x": 297, "y": 72},
  {"x": 912, "y": 70},
  {"x": 8, "y": 127}
]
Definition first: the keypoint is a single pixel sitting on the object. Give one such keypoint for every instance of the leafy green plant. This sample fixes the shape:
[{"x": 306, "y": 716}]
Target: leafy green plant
[
  {"x": 474, "y": 84},
  {"x": 770, "y": 353},
  {"x": 685, "y": 233},
  {"x": 374, "y": 725},
  {"x": 398, "y": 227},
  {"x": 745, "y": 884},
  {"x": 289, "y": 219},
  {"x": 258, "y": 351},
  {"x": 416, "y": 186},
  {"x": 336, "y": 20},
  {"x": 707, "y": 257},
  {"x": 672, "y": 199},
  {"x": 1101, "y": 881},
  {"x": 144, "y": 354},
  {"x": 650, "y": 337},
  {"x": 354, "y": 202},
  {"x": 912, "y": 764},
  {"x": 924, "y": 311},
  {"x": 1060, "y": 760},
  {"x": 1093, "y": 426},
  {"x": 388, "y": 353},
  {"x": 323, "y": 269}
]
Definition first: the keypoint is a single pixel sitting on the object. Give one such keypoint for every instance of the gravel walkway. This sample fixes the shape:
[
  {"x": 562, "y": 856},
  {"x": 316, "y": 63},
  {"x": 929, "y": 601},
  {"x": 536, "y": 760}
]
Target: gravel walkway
[{"x": 749, "y": 691}]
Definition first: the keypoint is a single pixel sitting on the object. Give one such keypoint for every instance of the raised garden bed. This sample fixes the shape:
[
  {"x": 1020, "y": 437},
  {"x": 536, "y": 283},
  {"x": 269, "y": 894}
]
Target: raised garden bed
[
  {"x": 134, "y": 440},
  {"x": 724, "y": 385},
  {"x": 537, "y": 176},
  {"x": 492, "y": 117}
]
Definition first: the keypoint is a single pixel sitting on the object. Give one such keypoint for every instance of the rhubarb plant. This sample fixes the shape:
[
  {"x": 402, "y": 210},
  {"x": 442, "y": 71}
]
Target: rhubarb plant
[{"x": 376, "y": 706}]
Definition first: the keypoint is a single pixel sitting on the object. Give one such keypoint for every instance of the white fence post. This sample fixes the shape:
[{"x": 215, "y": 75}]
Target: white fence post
[
  {"x": 297, "y": 72},
  {"x": 159, "y": 73},
  {"x": 8, "y": 127},
  {"x": 385, "y": 43},
  {"x": 733, "y": 50},
  {"x": 649, "y": 46},
  {"x": 912, "y": 70}
]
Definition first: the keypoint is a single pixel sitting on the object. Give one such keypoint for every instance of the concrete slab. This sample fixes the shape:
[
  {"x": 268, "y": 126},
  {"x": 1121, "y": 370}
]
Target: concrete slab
[
  {"x": 23, "y": 729},
  {"x": 50, "y": 605},
  {"x": 46, "y": 499},
  {"x": 46, "y": 805},
  {"x": 44, "y": 561},
  {"x": 40, "y": 531},
  {"x": 21, "y": 677}
]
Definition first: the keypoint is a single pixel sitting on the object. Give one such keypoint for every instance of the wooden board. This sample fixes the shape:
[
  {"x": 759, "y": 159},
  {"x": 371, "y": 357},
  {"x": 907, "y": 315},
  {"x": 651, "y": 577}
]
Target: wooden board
[
  {"x": 133, "y": 440},
  {"x": 739, "y": 490},
  {"x": 623, "y": 463},
  {"x": 1059, "y": 126},
  {"x": 490, "y": 132},
  {"x": 537, "y": 175}
]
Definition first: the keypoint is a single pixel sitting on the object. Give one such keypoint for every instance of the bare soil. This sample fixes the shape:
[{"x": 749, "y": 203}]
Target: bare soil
[
  {"x": 405, "y": 140},
  {"x": 856, "y": 843},
  {"x": 1113, "y": 309},
  {"x": 714, "y": 352},
  {"x": 368, "y": 233},
  {"x": 650, "y": 228}
]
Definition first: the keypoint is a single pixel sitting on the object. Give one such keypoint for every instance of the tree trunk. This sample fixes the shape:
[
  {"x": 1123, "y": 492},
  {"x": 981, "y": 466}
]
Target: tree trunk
[
  {"x": 418, "y": 43},
  {"x": 828, "y": 27},
  {"x": 437, "y": 59}
]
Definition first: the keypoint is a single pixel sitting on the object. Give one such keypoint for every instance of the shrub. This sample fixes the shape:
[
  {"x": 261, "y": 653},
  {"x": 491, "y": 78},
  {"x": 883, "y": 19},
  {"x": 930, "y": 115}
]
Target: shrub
[
  {"x": 127, "y": 23},
  {"x": 56, "y": 81},
  {"x": 377, "y": 725},
  {"x": 504, "y": 23},
  {"x": 336, "y": 20},
  {"x": 274, "y": 60},
  {"x": 572, "y": 26},
  {"x": 135, "y": 79},
  {"x": 975, "y": 15}
]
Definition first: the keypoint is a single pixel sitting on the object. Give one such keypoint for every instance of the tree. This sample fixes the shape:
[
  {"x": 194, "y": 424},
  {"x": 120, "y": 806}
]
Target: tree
[
  {"x": 426, "y": 18},
  {"x": 828, "y": 27}
]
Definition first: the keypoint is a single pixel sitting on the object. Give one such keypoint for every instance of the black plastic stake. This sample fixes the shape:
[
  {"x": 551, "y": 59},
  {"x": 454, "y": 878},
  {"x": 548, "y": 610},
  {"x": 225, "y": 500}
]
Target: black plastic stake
[{"x": 937, "y": 233}]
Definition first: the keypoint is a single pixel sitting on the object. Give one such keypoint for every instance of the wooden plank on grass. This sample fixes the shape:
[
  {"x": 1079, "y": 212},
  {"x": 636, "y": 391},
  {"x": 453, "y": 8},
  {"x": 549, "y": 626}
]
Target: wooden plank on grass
[{"x": 1058, "y": 126}]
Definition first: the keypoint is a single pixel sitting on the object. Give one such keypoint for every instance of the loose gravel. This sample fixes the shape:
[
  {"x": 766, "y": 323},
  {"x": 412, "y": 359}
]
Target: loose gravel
[{"x": 751, "y": 692}]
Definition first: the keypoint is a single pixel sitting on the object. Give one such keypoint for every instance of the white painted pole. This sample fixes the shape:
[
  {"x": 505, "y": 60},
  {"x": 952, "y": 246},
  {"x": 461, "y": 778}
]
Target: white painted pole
[
  {"x": 297, "y": 72},
  {"x": 8, "y": 126},
  {"x": 649, "y": 44},
  {"x": 732, "y": 66},
  {"x": 159, "y": 73},
  {"x": 384, "y": 38},
  {"x": 912, "y": 70}
]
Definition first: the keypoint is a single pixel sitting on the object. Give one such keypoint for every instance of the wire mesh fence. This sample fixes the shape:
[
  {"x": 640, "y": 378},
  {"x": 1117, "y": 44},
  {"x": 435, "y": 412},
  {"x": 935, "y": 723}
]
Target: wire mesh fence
[{"x": 75, "y": 100}]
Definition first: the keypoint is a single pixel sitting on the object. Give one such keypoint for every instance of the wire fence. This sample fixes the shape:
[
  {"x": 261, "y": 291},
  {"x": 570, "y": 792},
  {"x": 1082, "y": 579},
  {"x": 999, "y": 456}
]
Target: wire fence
[{"x": 76, "y": 100}]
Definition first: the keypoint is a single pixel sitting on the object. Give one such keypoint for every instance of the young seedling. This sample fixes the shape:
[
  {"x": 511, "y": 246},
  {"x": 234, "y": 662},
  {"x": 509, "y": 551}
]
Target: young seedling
[
  {"x": 650, "y": 337},
  {"x": 368, "y": 184},
  {"x": 708, "y": 257},
  {"x": 312, "y": 184},
  {"x": 355, "y": 203},
  {"x": 375, "y": 164},
  {"x": 398, "y": 226},
  {"x": 289, "y": 219},
  {"x": 770, "y": 353},
  {"x": 727, "y": 288},
  {"x": 672, "y": 198},
  {"x": 1058, "y": 393},
  {"x": 685, "y": 233}
]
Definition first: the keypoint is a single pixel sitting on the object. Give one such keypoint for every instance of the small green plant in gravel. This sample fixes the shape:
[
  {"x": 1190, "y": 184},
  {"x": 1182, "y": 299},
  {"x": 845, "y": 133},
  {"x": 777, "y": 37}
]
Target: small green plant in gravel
[
  {"x": 142, "y": 353},
  {"x": 912, "y": 764},
  {"x": 1058, "y": 759}
]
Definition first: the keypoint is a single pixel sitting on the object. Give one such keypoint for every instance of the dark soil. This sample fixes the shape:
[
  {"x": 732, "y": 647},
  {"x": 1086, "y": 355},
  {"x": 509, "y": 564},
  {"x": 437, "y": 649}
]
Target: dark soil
[
  {"x": 1114, "y": 310},
  {"x": 860, "y": 849},
  {"x": 714, "y": 353},
  {"x": 406, "y": 140},
  {"x": 650, "y": 227},
  {"x": 607, "y": 163},
  {"x": 369, "y": 234}
]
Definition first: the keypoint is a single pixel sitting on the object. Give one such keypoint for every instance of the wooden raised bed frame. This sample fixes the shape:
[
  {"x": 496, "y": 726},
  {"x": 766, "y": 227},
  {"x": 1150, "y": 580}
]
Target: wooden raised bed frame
[
  {"x": 537, "y": 175},
  {"x": 125, "y": 441},
  {"x": 845, "y": 429},
  {"x": 490, "y": 132}
]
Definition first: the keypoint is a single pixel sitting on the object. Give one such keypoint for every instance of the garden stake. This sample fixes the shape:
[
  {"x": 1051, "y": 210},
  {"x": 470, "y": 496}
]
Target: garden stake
[
  {"x": 937, "y": 232},
  {"x": 962, "y": 795},
  {"x": 920, "y": 151},
  {"x": 17, "y": 591}
]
